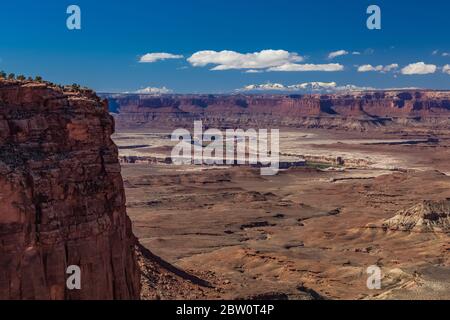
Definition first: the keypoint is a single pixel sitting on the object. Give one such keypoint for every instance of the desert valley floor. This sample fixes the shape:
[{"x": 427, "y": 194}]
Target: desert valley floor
[{"x": 308, "y": 232}]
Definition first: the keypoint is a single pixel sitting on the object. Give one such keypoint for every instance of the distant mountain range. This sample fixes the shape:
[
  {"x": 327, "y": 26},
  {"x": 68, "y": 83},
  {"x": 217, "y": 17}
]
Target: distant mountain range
[
  {"x": 351, "y": 109},
  {"x": 306, "y": 87}
]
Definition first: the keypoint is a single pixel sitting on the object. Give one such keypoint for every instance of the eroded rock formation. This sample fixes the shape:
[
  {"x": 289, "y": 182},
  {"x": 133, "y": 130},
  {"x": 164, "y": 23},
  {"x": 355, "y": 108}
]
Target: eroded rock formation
[
  {"x": 62, "y": 200},
  {"x": 427, "y": 216},
  {"x": 354, "y": 110}
]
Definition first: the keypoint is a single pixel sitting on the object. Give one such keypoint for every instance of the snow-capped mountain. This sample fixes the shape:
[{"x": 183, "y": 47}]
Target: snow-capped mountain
[
  {"x": 306, "y": 87},
  {"x": 153, "y": 90}
]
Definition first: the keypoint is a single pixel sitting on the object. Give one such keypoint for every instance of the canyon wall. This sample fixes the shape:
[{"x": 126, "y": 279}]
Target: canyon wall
[
  {"x": 352, "y": 110},
  {"x": 62, "y": 200}
]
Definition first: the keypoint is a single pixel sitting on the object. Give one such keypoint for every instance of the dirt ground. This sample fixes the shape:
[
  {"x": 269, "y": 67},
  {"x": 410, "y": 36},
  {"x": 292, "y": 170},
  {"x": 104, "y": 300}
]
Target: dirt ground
[{"x": 304, "y": 232}]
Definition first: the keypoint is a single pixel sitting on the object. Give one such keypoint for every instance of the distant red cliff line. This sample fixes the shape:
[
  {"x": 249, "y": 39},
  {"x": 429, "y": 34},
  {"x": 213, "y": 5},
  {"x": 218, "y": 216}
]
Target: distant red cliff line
[{"x": 358, "y": 110}]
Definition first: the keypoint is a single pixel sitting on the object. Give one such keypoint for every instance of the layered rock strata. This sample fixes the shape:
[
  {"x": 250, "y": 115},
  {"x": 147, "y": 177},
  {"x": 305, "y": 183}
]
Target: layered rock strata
[
  {"x": 354, "y": 110},
  {"x": 62, "y": 200}
]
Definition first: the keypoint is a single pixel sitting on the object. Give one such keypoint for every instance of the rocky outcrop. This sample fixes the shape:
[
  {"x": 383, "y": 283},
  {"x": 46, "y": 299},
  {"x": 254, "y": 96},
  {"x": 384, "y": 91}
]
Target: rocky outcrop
[
  {"x": 354, "y": 110},
  {"x": 163, "y": 281},
  {"x": 428, "y": 216},
  {"x": 62, "y": 200}
]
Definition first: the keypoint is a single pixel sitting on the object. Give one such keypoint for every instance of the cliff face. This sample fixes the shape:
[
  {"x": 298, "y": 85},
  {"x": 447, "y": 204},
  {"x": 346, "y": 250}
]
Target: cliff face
[
  {"x": 62, "y": 200},
  {"x": 356, "y": 110}
]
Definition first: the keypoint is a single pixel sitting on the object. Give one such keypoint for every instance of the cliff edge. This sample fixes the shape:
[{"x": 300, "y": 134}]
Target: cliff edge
[{"x": 62, "y": 200}]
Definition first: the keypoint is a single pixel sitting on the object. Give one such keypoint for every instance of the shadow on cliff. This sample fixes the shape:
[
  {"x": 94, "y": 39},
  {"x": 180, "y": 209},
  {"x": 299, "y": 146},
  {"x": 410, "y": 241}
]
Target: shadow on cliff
[{"x": 147, "y": 254}]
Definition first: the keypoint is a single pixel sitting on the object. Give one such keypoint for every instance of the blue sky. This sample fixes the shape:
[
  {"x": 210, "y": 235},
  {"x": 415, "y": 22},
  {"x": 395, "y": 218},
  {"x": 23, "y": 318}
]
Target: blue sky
[{"x": 105, "y": 53}]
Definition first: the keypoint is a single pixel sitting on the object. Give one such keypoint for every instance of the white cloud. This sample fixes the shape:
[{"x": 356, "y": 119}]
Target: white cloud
[
  {"x": 154, "y": 57},
  {"x": 419, "y": 68},
  {"x": 369, "y": 67},
  {"x": 253, "y": 71},
  {"x": 228, "y": 60},
  {"x": 444, "y": 54},
  {"x": 153, "y": 90},
  {"x": 356, "y": 53},
  {"x": 379, "y": 68},
  {"x": 294, "y": 67},
  {"x": 390, "y": 67},
  {"x": 338, "y": 53},
  {"x": 446, "y": 69}
]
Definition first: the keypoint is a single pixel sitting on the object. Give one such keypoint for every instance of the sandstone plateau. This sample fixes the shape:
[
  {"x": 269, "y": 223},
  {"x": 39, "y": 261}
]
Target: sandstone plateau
[
  {"x": 62, "y": 200},
  {"x": 351, "y": 110}
]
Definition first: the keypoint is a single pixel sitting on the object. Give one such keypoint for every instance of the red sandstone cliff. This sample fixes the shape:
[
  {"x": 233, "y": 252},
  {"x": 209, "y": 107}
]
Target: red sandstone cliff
[
  {"x": 355, "y": 110},
  {"x": 61, "y": 197}
]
